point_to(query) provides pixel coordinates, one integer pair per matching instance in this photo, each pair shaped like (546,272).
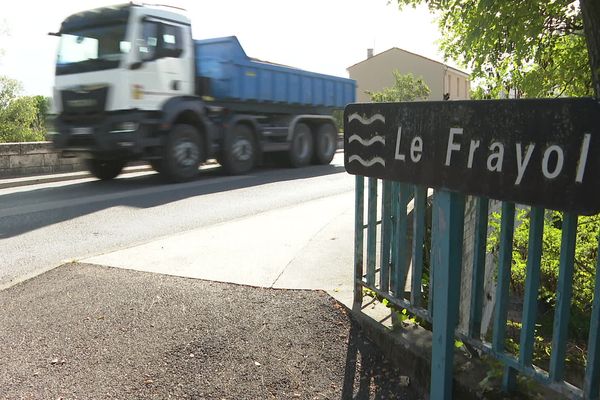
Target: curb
(50,178)
(409,347)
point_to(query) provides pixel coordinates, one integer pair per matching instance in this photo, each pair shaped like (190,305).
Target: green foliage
(531,48)
(9,90)
(406,87)
(22,119)
(338,116)
(586,252)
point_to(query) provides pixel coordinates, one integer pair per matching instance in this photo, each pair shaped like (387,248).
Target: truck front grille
(84,103)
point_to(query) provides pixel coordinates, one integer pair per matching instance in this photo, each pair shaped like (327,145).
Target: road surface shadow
(140,191)
(369,375)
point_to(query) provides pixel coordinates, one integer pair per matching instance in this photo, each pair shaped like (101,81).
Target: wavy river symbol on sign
(367,163)
(367,142)
(365,120)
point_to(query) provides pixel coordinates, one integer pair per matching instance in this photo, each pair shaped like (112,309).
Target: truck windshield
(91,49)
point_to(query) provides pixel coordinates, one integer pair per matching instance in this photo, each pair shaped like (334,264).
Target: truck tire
(239,151)
(325,144)
(182,154)
(104,169)
(301,150)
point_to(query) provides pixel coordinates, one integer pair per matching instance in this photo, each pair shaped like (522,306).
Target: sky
(325,36)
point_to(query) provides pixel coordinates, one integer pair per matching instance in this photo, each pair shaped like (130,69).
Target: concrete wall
(376,73)
(22,159)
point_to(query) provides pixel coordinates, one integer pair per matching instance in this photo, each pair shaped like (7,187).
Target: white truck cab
(128,57)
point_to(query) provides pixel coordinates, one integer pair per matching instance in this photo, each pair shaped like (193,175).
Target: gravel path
(89,332)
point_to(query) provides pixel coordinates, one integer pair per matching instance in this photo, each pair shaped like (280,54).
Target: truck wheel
(301,152)
(325,144)
(104,169)
(239,151)
(182,154)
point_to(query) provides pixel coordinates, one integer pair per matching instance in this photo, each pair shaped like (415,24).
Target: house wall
(376,73)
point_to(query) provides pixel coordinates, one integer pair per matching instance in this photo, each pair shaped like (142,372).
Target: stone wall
(22,159)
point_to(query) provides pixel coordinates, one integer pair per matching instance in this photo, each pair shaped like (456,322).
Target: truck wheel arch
(190,111)
(313,121)
(250,122)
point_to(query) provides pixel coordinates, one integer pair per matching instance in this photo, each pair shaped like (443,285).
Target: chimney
(369,53)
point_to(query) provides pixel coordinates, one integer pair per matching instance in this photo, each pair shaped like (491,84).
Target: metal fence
(392,231)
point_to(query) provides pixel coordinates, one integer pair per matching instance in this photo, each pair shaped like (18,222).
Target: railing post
(591,384)
(507,227)
(420,205)
(479,253)
(401,241)
(359,221)
(386,233)
(447,263)
(372,231)
(564,293)
(532,285)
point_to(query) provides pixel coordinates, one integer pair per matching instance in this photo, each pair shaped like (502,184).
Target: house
(376,73)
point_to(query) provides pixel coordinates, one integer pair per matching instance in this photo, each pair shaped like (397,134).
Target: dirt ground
(89,332)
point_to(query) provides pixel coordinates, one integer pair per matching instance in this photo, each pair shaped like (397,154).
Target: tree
(22,118)
(9,90)
(531,48)
(406,88)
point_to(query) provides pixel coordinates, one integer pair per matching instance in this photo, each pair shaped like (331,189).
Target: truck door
(165,69)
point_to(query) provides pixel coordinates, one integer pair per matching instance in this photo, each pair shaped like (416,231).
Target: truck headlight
(124,127)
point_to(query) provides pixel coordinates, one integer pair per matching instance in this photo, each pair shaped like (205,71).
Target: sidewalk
(90,332)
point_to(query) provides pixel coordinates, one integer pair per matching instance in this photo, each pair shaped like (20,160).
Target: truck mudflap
(120,135)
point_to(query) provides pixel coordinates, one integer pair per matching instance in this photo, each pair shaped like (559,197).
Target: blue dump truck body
(234,76)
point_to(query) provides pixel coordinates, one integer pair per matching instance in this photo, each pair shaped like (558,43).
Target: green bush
(22,119)
(586,252)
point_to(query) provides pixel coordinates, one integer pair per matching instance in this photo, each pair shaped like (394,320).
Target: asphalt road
(45,225)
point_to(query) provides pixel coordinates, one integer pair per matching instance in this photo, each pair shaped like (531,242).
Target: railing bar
(367,225)
(372,230)
(591,383)
(401,303)
(504,265)
(532,285)
(359,216)
(420,205)
(564,293)
(479,255)
(384,261)
(565,388)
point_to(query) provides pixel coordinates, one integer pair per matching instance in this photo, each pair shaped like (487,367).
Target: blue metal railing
(396,217)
